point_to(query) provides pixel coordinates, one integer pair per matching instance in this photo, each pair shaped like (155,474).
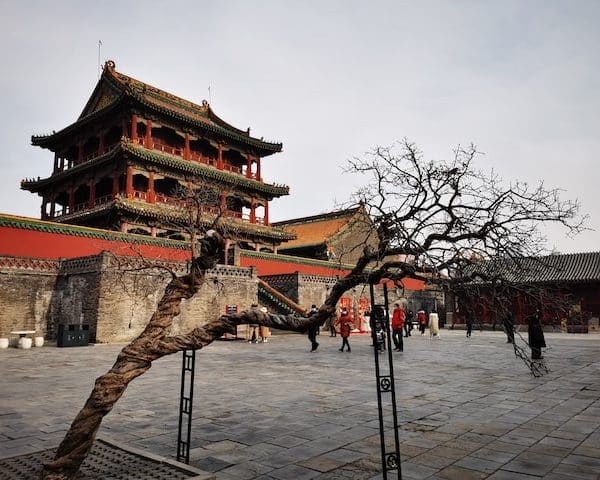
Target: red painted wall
(32,243)
(266,266)
(22,242)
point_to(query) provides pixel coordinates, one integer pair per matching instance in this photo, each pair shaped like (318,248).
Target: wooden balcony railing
(159,199)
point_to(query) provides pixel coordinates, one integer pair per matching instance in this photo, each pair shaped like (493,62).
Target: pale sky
(330,80)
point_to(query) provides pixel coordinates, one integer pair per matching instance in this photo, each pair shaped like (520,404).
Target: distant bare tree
(429,219)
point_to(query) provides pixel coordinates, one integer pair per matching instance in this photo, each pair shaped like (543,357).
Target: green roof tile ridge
(202,170)
(87,232)
(174,214)
(297,260)
(274,147)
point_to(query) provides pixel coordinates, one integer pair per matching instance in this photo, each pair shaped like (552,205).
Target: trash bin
(73,335)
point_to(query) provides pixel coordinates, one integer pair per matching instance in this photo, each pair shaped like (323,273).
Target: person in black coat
(469,322)
(536,336)
(408,323)
(509,327)
(314,330)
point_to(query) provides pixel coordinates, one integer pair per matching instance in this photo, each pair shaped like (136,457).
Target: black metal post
(385,382)
(186,401)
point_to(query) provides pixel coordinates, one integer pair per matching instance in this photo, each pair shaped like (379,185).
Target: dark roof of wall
(557,268)
(114,87)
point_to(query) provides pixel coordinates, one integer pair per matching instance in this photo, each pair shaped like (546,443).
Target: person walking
(422,320)
(536,336)
(379,337)
(332,330)
(509,327)
(253,328)
(264,331)
(314,330)
(469,322)
(366,322)
(434,324)
(408,323)
(398,319)
(345,322)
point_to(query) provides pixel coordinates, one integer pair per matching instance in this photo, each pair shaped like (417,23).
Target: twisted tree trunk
(153,343)
(135,359)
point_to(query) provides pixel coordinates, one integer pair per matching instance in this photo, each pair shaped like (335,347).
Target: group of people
(402,324)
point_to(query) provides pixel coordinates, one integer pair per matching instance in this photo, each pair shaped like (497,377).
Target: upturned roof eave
(213,122)
(162,159)
(151,211)
(265,148)
(145,209)
(214,174)
(48,141)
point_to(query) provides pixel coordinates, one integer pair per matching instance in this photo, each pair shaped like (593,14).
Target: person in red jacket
(422,319)
(345,323)
(398,319)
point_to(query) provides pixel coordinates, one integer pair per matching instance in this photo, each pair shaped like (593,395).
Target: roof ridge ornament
(109,65)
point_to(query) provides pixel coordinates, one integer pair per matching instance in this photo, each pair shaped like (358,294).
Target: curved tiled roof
(317,229)
(205,170)
(123,87)
(163,159)
(557,268)
(174,215)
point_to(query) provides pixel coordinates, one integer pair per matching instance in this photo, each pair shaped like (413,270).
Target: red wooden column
(55,169)
(220,157)
(134,122)
(253,212)
(151,198)
(92,198)
(266,215)
(248,166)
(80,152)
(129,183)
(258,175)
(186,148)
(44,215)
(52,208)
(148,142)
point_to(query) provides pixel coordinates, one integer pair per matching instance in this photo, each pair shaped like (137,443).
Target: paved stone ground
(468,409)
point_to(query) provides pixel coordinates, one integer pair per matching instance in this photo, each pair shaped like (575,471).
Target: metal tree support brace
(185,404)
(385,384)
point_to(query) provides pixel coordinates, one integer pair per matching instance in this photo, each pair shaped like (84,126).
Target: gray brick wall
(115,296)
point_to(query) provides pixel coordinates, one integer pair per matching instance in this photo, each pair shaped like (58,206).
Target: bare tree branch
(428,220)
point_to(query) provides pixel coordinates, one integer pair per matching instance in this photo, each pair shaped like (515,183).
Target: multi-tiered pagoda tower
(125,162)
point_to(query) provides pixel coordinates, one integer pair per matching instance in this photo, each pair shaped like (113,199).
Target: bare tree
(429,221)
